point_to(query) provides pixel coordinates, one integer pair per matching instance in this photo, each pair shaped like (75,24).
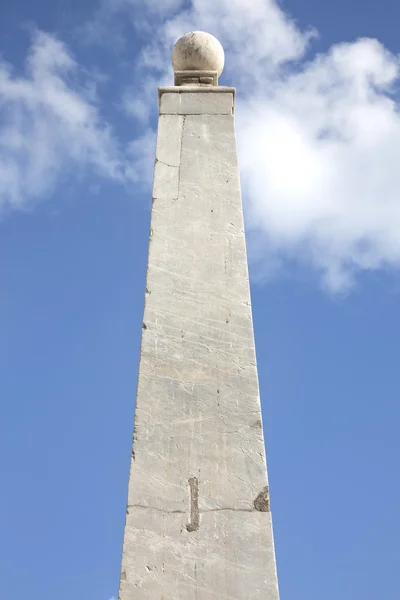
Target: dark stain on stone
(261,503)
(194,505)
(123,576)
(144,326)
(257,424)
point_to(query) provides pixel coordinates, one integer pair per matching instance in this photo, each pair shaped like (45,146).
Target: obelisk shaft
(198,523)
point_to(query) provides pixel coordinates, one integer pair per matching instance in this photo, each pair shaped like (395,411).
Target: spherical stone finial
(198,51)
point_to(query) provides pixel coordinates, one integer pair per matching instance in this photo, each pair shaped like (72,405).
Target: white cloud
(319,155)
(257,36)
(49,124)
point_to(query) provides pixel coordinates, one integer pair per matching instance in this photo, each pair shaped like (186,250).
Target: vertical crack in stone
(180,155)
(194,505)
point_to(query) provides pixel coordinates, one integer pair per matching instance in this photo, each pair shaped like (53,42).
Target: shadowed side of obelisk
(198,522)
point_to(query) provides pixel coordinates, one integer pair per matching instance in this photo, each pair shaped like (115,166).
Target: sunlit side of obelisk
(198,523)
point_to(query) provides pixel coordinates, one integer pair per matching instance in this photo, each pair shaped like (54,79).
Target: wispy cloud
(50,123)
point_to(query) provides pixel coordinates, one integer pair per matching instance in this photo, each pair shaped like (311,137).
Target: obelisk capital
(198,59)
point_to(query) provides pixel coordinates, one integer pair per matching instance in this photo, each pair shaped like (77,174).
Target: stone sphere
(198,51)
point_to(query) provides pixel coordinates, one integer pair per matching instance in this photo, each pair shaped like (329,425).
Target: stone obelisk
(198,523)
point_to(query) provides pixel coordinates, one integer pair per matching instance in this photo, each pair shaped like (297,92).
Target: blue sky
(319,139)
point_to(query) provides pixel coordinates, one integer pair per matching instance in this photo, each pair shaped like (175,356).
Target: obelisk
(198,522)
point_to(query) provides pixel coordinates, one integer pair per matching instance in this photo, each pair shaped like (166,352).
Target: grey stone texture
(200,51)
(198,523)
(196,104)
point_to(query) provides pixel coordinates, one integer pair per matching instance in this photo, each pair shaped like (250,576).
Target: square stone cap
(189,89)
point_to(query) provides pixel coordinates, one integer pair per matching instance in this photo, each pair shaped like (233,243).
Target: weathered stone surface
(169,140)
(198,522)
(166,180)
(200,51)
(196,104)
